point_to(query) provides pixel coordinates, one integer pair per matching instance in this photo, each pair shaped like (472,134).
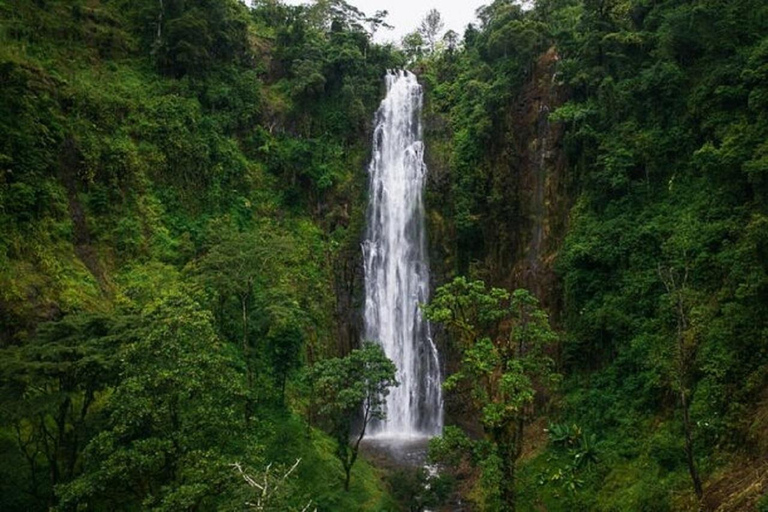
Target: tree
(248,266)
(50,388)
(376,22)
(175,418)
(680,358)
(430,28)
(193,36)
(284,344)
(683,360)
(451,40)
(502,339)
(413,46)
(350,387)
(270,488)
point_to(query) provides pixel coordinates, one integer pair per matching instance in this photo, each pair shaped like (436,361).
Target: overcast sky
(405,15)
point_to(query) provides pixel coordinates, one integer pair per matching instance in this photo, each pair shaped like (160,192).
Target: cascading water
(396,266)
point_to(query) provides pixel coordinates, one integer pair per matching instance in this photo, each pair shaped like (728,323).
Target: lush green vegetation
(340,386)
(502,339)
(181,201)
(180,181)
(665,340)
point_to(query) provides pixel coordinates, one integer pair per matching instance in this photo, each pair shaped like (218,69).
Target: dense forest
(182,202)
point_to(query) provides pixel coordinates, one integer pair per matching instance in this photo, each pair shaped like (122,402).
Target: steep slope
(181,186)
(609,156)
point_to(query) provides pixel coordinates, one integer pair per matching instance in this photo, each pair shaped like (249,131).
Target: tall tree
(49,391)
(679,360)
(451,40)
(502,338)
(413,46)
(376,22)
(348,389)
(175,418)
(430,28)
(248,266)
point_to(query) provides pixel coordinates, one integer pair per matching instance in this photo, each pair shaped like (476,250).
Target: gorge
(209,208)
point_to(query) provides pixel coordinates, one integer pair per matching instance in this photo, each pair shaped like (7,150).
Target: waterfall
(396,264)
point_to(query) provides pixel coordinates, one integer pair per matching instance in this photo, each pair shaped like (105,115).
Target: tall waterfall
(396,265)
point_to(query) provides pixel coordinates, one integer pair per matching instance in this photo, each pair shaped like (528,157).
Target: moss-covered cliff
(609,157)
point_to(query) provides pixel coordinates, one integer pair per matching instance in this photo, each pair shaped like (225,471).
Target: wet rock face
(539,165)
(525,225)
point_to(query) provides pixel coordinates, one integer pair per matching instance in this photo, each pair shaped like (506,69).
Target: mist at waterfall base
(397,269)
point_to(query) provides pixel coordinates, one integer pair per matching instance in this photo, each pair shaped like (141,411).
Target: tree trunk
(246,356)
(509,446)
(159,34)
(692,469)
(508,495)
(685,365)
(244,305)
(356,447)
(684,371)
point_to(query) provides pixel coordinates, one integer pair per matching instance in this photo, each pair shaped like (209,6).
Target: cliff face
(526,213)
(526,218)
(534,158)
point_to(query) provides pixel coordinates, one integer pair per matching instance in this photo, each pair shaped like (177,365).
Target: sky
(405,15)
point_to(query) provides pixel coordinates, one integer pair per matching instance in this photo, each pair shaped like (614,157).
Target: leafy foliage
(345,387)
(180,397)
(664,141)
(178,186)
(502,338)
(180,207)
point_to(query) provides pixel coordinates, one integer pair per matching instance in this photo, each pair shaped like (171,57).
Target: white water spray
(396,265)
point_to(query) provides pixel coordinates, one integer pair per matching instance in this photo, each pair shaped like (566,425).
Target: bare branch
(269,487)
